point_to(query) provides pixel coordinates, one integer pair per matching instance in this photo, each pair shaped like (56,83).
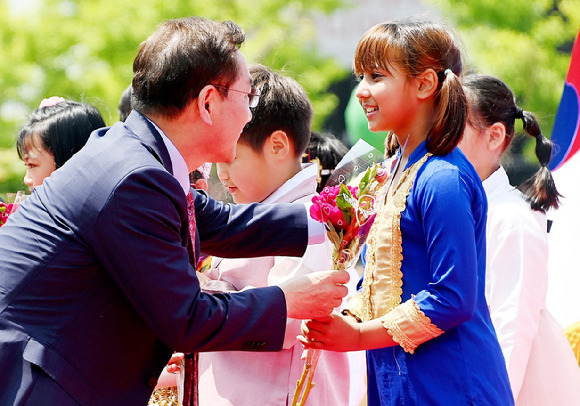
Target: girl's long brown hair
(415,46)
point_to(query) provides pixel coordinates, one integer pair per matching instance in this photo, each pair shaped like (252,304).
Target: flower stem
(312,356)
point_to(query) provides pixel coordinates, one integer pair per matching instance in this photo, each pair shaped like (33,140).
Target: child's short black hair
(327,151)
(195,176)
(64,128)
(125,103)
(283,106)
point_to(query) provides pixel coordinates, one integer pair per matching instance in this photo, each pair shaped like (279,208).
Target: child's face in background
(483,146)
(38,160)
(472,144)
(246,177)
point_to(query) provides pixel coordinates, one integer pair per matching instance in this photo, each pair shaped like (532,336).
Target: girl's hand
(168,377)
(173,364)
(334,333)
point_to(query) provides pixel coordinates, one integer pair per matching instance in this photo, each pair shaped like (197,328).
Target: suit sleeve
(253,230)
(140,238)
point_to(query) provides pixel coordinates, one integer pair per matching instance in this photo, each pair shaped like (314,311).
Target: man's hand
(314,295)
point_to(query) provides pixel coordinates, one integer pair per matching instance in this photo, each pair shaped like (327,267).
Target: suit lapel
(152,140)
(150,137)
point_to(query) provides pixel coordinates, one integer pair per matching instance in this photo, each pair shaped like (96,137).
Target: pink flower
(329,193)
(382,175)
(316,209)
(353,190)
(335,216)
(5,211)
(322,212)
(51,101)
(326,209)
(351,217)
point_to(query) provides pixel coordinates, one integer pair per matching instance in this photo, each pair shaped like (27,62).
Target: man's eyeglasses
(253,94)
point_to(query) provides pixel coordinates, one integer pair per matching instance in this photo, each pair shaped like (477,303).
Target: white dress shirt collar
(298,187)
(180,171)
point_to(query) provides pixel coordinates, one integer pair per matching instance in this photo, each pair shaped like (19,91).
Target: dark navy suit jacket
(96,286)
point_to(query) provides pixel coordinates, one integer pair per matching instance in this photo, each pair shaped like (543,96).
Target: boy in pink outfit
(268,169)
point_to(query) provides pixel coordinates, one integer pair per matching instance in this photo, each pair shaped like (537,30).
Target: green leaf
(364,182)
(342,199)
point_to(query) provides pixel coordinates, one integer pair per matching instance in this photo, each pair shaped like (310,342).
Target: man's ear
(278,144)
(496,136)
(427,83)
(206,103)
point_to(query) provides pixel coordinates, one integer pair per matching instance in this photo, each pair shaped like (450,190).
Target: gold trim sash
(383,280)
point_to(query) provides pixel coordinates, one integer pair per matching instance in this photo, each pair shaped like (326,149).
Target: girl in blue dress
(421,313)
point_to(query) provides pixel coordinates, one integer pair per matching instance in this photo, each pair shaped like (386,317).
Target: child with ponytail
(421,313)
(540,362)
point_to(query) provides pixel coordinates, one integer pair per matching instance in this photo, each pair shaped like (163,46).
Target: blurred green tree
(84,50)
(526,43)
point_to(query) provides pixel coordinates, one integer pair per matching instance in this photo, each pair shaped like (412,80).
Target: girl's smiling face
(387,99)
(38,160)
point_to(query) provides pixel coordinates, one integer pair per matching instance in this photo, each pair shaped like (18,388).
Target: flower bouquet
(347,212)
(6,209)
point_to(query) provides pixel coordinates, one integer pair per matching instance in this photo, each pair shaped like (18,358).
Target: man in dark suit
(96,286)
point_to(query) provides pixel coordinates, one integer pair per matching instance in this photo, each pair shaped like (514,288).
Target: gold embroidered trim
(383,280)
(164,397)
(409,326)
(572,333)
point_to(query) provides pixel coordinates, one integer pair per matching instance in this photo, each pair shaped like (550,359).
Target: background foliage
(526,43)
(84,50)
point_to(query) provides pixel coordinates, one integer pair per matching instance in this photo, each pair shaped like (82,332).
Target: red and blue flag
(565,134)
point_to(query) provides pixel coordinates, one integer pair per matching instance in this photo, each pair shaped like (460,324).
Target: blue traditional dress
(425,280)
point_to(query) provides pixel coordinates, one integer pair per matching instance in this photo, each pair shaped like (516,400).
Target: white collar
(495,180)
(180,171)
(287,192)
